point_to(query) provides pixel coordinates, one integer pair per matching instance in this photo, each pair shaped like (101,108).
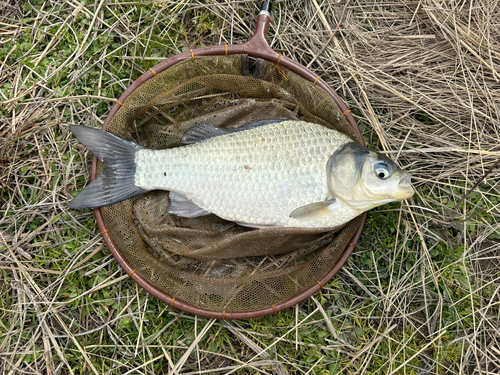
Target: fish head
(364,178)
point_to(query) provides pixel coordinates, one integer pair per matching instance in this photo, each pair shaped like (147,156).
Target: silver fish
(272,173)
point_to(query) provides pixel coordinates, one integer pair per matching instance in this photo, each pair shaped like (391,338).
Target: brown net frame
(206,265)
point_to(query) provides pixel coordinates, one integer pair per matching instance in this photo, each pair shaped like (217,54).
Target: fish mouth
(405,189)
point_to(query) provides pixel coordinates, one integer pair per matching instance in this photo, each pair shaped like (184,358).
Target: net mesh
(208,262)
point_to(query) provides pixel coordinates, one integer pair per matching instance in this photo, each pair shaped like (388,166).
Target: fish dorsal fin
(314,210)
(201,132)
(183,206)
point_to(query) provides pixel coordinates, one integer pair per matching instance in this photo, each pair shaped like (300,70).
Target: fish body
(275,173)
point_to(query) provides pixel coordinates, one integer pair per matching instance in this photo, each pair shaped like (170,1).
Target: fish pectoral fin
(181,205)
(313,211)
(201,132)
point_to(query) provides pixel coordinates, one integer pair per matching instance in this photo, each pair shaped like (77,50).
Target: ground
(419,295)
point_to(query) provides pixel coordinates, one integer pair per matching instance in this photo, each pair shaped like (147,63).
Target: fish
(270,173)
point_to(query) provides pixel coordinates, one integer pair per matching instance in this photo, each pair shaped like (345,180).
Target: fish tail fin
(116,182)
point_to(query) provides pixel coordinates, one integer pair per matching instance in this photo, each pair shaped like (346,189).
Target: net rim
(228,315)
(256,48)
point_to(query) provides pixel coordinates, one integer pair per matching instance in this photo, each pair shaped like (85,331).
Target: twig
(474,188)
(337,28)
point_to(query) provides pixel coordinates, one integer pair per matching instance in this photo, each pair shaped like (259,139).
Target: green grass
(418,295)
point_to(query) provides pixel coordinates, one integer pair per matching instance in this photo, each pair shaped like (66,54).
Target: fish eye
(382,170)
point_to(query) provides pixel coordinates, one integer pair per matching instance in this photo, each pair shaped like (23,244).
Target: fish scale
(254,176)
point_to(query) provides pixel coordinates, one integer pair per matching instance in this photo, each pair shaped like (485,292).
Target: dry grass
(420,294)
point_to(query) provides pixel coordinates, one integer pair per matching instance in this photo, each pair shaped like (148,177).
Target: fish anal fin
(314,210)
(180,205)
